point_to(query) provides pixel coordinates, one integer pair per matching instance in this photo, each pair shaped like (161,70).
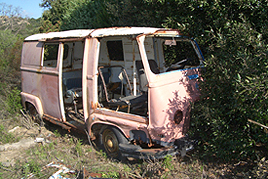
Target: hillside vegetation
(232,35)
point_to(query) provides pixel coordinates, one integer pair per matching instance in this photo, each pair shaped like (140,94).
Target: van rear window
(50,55)
(115,50)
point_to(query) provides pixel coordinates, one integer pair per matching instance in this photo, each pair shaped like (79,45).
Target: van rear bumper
(179,147)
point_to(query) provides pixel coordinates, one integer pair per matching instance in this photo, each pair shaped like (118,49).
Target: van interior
(122,84)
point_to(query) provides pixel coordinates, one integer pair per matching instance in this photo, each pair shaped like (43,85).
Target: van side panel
(40,81)
(30,67)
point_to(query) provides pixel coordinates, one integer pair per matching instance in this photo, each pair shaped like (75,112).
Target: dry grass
(74,151)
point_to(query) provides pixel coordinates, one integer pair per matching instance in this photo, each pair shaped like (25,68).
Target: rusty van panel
(29,56)
(42,82)
(169,96)
(90,76)
(175,90)
(125,122)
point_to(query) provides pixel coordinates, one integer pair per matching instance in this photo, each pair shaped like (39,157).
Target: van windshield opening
(177,54)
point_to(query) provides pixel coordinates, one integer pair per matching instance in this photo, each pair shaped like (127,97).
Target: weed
(89,150)
(113,174)
(1,172)
(51,146)
(31,167)
(167,163)
(102,154)
(126,168)
(6,137)
(71,141)
(151,167)
(78,147)
(201,168)
(56,133)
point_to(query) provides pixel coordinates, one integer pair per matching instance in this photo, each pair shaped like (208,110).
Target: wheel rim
(110,143)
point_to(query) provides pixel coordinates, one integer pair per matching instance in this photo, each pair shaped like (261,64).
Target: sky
(29,8)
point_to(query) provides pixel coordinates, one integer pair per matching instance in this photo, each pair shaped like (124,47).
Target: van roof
(102,32)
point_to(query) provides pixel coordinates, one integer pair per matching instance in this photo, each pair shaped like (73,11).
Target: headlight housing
(178,116)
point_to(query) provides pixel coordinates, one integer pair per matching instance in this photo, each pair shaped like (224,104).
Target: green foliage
(167,162)
(52,17)
(47,26)
(56,133)
(7,40)
(31,167)
(13,29)
(113,174)
(80,14)
(78,147)
(135,13)
(15,55)
(234,91)
(234,40)
(14,101)
(86,14)
(102,154)
(6,137)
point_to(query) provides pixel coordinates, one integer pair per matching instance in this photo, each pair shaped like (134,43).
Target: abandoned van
(129,88)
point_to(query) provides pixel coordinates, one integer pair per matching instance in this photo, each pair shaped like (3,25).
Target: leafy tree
(79,14)
(233,37)
(7,39)
(135,13)
(86,14)
(234,89)
(13,29)
(52,17)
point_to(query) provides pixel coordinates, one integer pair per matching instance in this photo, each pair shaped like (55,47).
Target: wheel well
(98,128)
(29,106)
(33,113)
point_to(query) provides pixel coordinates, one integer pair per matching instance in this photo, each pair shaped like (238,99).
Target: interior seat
(125,100)
(133,102)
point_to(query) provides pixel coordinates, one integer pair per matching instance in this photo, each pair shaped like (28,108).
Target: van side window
(115,50)
(50,55)
(179,51)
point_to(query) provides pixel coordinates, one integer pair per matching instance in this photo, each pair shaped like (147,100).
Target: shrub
(234,90)
(14,101)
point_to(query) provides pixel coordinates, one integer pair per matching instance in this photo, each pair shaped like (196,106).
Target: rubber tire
(35,116)
(111,138)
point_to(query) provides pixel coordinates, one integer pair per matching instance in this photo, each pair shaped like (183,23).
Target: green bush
(234,90)
(14,101)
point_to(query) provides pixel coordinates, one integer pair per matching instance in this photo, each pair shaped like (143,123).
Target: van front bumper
(179,147)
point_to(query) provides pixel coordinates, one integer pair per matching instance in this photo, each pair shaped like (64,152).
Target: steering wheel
(178,65)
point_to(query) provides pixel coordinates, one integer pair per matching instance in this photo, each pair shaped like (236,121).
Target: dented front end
(170,90)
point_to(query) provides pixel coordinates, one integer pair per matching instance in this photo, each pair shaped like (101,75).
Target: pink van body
(90,80)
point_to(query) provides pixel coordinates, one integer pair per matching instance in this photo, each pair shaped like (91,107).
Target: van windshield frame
(174,52)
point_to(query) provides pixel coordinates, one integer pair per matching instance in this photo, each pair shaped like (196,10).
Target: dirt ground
(40,152)
(12,152)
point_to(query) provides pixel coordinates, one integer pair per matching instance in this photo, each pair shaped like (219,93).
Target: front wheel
(111,138)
